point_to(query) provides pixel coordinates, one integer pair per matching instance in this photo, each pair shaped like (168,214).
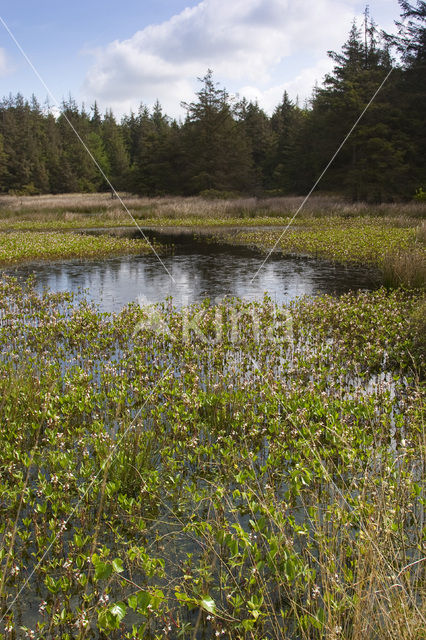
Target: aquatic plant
(365,243)
(19,246)
(177,484)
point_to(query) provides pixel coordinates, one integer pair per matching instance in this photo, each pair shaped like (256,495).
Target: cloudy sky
(133,51)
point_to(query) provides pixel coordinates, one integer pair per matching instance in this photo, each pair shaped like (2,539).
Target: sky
(122,54)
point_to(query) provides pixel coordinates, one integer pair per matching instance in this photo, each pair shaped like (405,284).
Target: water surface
(199,270)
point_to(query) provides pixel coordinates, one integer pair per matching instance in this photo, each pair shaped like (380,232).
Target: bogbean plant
(196,482)
(369,241)
(260,217)
(124,220)
(21,246)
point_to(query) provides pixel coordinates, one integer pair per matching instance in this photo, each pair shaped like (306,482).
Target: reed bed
(405,268)
(175,208)
(240,471)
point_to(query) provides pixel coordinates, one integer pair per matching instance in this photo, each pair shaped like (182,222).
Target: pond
(235,462)
(199,269)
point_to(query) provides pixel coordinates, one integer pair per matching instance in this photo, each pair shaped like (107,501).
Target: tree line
(227,145)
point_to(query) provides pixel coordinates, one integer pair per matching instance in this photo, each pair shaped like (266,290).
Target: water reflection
(198,273)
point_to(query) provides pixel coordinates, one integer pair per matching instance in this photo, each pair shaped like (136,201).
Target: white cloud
(299,87)
(245,42)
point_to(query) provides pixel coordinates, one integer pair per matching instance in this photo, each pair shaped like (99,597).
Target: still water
(199,270)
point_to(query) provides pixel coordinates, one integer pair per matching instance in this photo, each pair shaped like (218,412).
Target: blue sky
(125,53)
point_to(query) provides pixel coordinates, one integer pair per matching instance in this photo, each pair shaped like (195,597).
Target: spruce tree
(216,147)
(260,135)
(410,94)
(372,164)
(286,122)
(117,156)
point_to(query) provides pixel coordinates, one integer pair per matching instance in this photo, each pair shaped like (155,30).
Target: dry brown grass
(197,207)
(421,233)
(405,268)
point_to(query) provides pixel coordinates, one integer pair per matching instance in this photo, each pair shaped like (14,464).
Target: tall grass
(405,268)
(198,207)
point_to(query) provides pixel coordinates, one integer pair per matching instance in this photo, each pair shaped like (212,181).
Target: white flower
(42,606)
(315,591)
(82,620)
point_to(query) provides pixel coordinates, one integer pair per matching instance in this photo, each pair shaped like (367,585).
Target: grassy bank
(75,210)
(264,484)
(19,246)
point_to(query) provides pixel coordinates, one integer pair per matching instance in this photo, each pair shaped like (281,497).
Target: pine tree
(80,172)
(37,148)
(21,126)
(411,38)
(286,122)
(58,180)
(96,119)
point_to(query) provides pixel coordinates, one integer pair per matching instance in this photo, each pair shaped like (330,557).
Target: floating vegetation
(68,221)
(367,242)
(94,222)
(241,470)
(16,247)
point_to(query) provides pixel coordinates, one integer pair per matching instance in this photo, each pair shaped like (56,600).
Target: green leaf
(103,571)
(118,610)
(117,565)
(106,621)
(144,599)
(248,624)
(208,604)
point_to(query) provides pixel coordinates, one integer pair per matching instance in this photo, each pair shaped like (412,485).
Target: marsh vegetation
(389,236)
(239,469)
(170,484)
